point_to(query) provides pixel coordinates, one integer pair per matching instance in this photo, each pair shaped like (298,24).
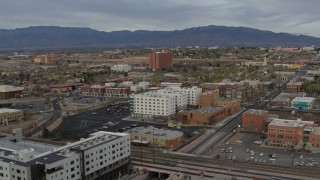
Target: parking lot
(246,147)
(108,118)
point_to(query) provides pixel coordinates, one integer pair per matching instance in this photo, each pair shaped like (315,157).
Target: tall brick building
(255,120)
(160,60)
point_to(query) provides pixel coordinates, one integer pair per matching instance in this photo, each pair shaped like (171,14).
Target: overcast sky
(293,16)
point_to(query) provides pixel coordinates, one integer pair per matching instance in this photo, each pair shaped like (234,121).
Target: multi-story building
(294,87)
(303,102)
(231,105)
(207,99)
(151,104)
(288,133)
(9,91)
(160,60)
(9,116)
(242,93)
(193,94)
(181,99)
(103,155)
(255,120)
(141,86)
(121,68)
(97,90)
(160,138)
(203,116)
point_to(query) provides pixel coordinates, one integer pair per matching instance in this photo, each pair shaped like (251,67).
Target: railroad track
(216,166)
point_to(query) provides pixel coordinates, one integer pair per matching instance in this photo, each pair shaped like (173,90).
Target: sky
(292,16)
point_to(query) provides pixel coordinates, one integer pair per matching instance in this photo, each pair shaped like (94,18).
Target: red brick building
(106,92)
(9,91)
(68,87)
(255,120)
(160,60)
(294,87)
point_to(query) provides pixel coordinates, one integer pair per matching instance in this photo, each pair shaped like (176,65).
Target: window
(18,171)
(72,162)
(72,169)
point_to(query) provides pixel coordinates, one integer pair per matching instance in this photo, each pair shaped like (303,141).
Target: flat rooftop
(156,132)
(290,123)
(7,110)
(255,111)
(208,109)
(303,99)
(9,88)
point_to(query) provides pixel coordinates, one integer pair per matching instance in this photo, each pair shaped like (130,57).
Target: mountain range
(55,37)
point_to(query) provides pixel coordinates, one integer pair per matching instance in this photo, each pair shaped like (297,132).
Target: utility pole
(153,144)
(141,149)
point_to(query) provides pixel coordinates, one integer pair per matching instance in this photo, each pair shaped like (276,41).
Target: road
(228,127)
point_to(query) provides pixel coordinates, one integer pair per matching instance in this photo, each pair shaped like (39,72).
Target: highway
(194,164)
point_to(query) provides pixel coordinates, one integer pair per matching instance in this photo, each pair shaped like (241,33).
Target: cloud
(293,16)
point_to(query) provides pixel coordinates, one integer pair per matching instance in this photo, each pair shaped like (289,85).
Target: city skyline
(294,17)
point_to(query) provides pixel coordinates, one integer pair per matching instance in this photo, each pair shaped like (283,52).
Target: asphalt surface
(108,118)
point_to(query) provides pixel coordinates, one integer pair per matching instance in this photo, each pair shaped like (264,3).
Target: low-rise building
(42,59)
(255,120)
(10,116)
(303,102)
(9,91)
(141,86)
(67,87)
(102,91)
(102,155)
(121,68)
(160,138)
(294,87)
(202,116)
(284,99)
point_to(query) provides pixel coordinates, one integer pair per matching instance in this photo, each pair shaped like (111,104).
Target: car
(222,150)
(309,165)
(234,157)
(230,151)
(301,156)
(261,154)
(247,150)
(310,159)
(256,160)
(252,153)
(274,156)
(302,163)
(260,161)
(295,163)
(247,159)
(229,157)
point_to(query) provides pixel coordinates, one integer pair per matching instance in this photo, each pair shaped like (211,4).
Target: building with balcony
(102,155)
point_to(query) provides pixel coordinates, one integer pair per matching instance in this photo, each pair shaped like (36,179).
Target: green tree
(45,133)
(125,74)
(155,79)
(60,135)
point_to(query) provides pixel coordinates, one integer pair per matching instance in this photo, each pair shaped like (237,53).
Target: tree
(45,133)
(155,79)
(309,147)
(125,74)
(60,135)
(299,146)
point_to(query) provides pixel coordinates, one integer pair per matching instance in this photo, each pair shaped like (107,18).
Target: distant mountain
(53,37)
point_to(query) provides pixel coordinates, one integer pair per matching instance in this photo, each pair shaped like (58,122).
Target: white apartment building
(103,155)
(193,94)
(181,98)
(140,86)
(121,68)
(151,104)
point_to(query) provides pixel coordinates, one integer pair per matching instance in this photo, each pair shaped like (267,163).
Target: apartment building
(97,90)
(288,133)
(255,120)
(208,98)
(103,155)
(10,116)
(160,138)
(151,104)
(193,94)
(160,60)
(181,99)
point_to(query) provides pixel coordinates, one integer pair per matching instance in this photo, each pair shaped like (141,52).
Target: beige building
(161,138)
(208,98)
(10,116)
(231,105)
(42,59)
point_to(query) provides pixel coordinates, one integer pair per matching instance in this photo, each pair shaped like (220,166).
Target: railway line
(232,168)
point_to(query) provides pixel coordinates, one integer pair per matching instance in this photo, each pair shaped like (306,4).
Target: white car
(252,153)
(261,154)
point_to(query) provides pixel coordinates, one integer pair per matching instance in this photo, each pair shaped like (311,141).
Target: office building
(303,102)
(160,60)
(10,116)
(104,155)
(288,133)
